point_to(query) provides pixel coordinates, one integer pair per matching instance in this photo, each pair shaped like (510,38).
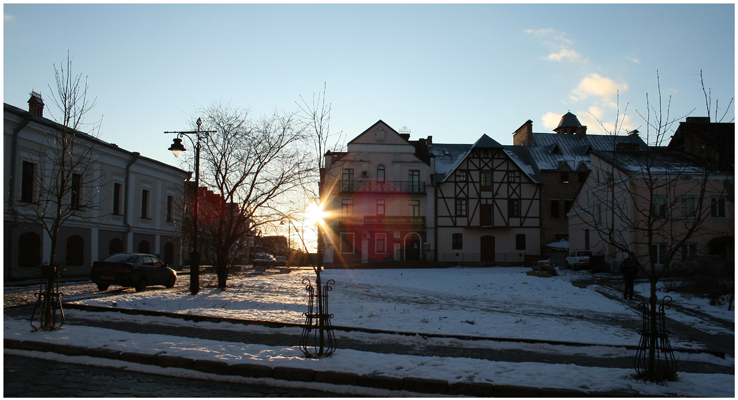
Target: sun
(314,214)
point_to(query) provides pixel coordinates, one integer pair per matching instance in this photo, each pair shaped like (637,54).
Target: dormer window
(381,134)
(555,149)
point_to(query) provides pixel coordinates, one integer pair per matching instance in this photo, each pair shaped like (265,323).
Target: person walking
(629,269)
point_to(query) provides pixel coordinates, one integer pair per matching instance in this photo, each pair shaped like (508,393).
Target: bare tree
(649,203)
(65,177)
(317,119)
(249,165)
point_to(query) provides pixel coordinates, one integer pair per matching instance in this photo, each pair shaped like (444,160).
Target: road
(32,377)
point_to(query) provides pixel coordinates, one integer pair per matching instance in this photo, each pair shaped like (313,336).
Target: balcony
(374,186)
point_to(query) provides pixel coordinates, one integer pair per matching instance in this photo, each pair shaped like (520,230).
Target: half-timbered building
(488,202)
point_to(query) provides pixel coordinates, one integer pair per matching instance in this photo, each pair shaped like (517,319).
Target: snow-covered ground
(486,302)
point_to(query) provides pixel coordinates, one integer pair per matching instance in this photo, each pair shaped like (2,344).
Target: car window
(122,258)
(157,262)
(147,260)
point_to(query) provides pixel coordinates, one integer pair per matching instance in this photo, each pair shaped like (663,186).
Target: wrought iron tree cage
(656,343)
(49,303)
(318,339)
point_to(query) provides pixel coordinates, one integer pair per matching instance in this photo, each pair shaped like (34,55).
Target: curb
(410,384)
(274,324)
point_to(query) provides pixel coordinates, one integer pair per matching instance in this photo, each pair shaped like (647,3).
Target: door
(412,249)
(487,246)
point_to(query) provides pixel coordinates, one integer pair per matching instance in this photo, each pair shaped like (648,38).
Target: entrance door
(487,246)
(412,249)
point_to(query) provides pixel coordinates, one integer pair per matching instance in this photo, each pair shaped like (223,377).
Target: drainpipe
(13,180)
(126,190)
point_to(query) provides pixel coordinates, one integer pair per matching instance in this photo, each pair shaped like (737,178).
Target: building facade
(136,201)
(488,203)
(378,200)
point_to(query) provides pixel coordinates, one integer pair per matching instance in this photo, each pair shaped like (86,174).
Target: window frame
(347,206)
(513,208)
(380,238)
(344,240)
(485,181)
(145,200)
(413,208)
(381,171)
(718,206)
(28,182)
(75,193)
(457,241)
(461,207)
(381,207)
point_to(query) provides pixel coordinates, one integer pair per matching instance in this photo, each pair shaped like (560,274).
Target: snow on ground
(487,302)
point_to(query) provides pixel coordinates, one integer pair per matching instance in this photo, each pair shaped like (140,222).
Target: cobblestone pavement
(32,377)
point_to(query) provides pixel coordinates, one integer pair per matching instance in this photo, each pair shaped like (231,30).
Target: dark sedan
(132,270)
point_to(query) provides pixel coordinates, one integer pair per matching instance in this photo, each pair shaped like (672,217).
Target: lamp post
(177,148)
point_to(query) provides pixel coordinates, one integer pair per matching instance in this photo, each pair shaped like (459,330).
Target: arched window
(75,251)
(169,253)
(144,247)
(115,247)
(380,173)
(29,250)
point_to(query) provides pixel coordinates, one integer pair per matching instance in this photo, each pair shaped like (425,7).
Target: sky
(453,72)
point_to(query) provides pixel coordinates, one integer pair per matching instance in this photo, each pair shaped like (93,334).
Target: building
(378,197)
(563,161)
(647,201)
(134,199)
(488,203)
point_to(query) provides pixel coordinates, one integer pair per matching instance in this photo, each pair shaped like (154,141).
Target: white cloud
(8,17)
(594,85)
(560,44)
(633,59)
(551,120)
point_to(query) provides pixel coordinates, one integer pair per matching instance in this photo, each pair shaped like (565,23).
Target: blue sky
(451,71)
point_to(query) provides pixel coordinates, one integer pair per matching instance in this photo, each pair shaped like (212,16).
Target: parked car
(264,260)
(281,261)
(132,270)
(578,259)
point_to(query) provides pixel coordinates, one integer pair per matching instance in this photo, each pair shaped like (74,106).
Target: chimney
(429,140)
(582,131)
(405,136)
(524,135)
(36,104)
(634,132)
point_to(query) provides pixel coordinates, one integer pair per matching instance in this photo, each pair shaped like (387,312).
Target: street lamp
(177,148)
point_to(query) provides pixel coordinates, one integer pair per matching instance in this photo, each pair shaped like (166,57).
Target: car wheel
(102,288)
(170,283)
(141,285)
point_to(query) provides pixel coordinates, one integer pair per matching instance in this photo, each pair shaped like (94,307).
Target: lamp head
(177,148)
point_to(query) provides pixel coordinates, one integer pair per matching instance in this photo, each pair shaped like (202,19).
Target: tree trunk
(653,339)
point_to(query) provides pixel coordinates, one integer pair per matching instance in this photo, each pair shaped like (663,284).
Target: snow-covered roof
(553,151)
(655,161)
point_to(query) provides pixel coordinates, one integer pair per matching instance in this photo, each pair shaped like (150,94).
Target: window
(486,181)
(75,251)
(414,208)
(513,176)
(380,243)
(457,241)
(460,176)
(717,207)
(485,215)
(145,204)
(461,207)
(117,193)
(347,243)
(115,247)
(347,206)
(29,250)
(380,207)
(689,207)
(144,247)
(658,253)
(554,209)
(170,208)
(380,173)
(414,177)
(564,177)
(27,181)
(76,191)
(586,239)
(347,180)
(659,209)
(689,252)
(520,241)
(599,213)
(513,208)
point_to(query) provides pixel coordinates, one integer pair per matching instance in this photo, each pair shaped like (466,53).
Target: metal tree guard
(665,363)
(318,339)
(49,299)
